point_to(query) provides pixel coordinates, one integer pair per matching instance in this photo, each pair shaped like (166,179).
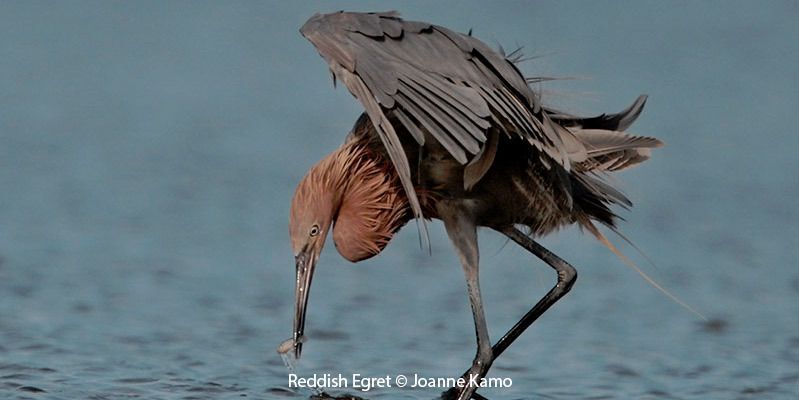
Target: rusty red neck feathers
(358,193)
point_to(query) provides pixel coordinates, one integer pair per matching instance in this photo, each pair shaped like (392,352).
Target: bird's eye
(314,230)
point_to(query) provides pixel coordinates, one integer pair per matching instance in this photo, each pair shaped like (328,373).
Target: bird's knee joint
(567,276)
(483,356)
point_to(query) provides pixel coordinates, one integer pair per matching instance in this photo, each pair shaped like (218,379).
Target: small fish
(285,346)
(289,358)
(289,344)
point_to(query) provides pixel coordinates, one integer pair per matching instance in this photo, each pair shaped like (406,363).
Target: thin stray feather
(640,272)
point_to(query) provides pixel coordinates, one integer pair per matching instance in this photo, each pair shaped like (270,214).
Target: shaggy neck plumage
(367,202)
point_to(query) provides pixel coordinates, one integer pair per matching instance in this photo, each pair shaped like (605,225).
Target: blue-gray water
(149,150)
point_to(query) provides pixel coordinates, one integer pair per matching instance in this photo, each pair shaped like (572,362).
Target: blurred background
(149,151)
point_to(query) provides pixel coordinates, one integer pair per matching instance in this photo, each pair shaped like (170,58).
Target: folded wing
(434,80)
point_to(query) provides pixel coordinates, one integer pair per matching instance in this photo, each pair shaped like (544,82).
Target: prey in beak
(355,196)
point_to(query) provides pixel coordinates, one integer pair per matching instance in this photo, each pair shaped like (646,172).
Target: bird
(452,130)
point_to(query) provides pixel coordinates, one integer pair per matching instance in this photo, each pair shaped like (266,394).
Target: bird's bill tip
(297,349)
(305,267)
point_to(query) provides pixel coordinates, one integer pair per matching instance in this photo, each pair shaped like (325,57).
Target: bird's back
(457,120)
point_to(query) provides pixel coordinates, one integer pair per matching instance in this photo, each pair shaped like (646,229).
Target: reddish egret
(453,131)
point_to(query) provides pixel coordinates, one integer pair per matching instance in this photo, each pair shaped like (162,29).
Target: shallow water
(148,153)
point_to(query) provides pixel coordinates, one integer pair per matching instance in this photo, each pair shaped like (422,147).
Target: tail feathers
(601,190)
(588,225)
(633,245)
(614,150)
(593,198)
(608,147)
(600,142)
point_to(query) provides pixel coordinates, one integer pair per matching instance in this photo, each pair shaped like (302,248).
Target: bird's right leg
(463,233)
(567,275)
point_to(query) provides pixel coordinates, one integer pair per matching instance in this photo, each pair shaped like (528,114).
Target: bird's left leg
(463,233)
(567,275)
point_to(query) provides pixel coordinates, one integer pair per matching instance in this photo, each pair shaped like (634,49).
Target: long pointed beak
(306,262)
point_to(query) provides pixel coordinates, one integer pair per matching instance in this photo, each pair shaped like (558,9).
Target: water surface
(149,150)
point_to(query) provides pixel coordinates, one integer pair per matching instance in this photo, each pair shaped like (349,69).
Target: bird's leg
(566,278)
(567,275)
(463,233)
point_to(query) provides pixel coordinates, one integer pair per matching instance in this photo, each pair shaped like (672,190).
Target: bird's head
(359,198)
(312,210)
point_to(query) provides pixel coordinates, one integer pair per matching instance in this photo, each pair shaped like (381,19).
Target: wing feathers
(387,135)
(452,108)
(439,114)
(464,98)
(459,76)
(413,129)
(457,89)
(433,128)
(391,27)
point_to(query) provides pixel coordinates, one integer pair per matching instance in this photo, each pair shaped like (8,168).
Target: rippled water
(148,152)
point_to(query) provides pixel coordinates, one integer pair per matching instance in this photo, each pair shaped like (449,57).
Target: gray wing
(432,79)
